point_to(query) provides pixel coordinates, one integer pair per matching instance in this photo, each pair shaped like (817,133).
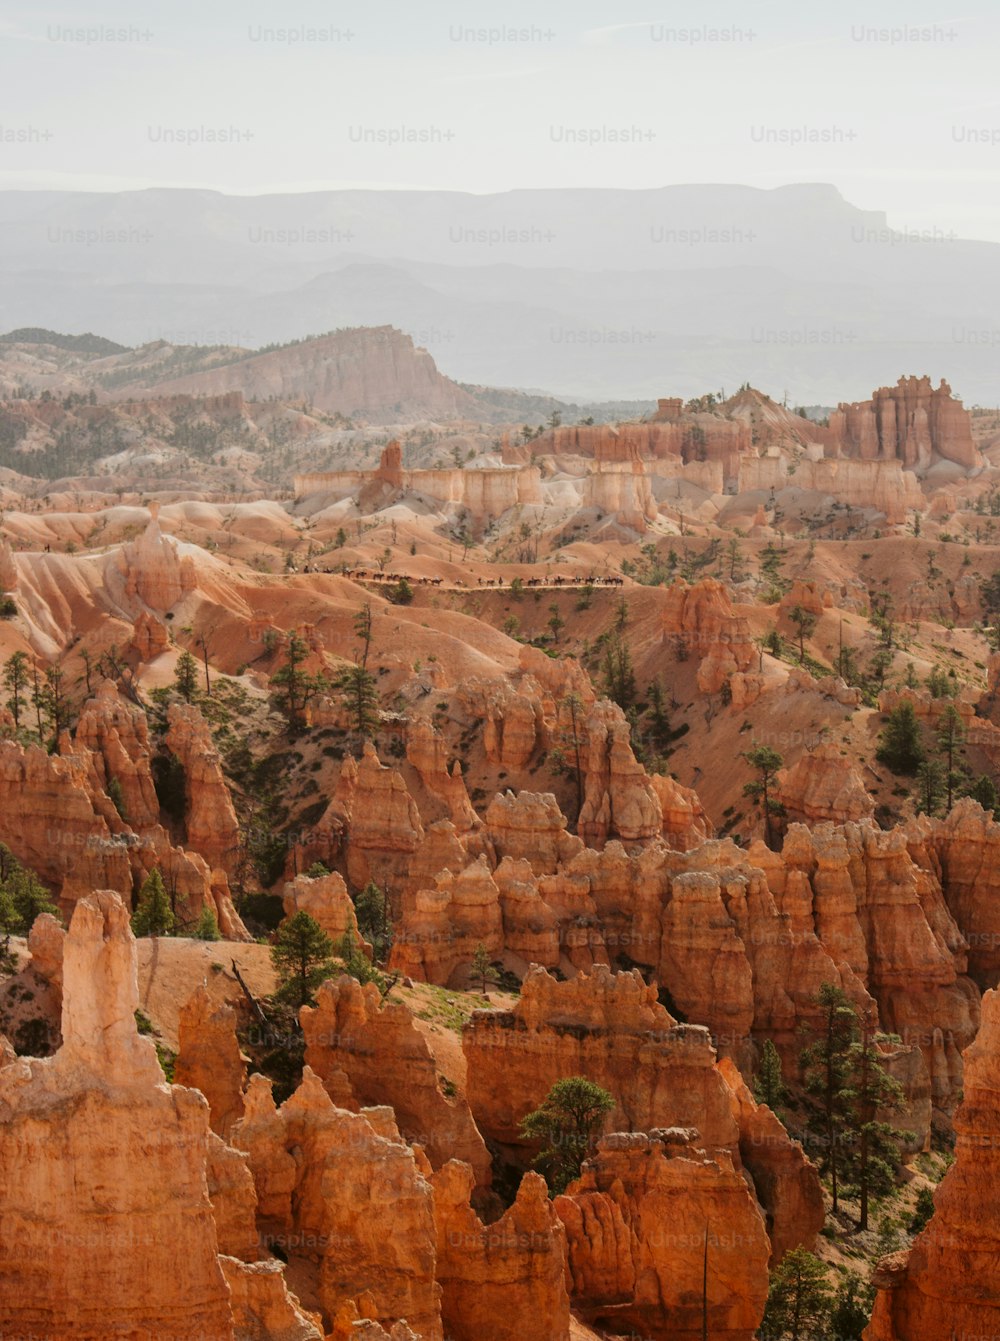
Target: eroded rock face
(530,827)
(209,1058)
(347,1200)
(428,753)
(380,816)
(785,1180)
(949,1282)
(324,898)
(442,926)
(388,1061)
(505,1280)
(636,1226)
(701,620)
(912,422)
(210,822)
(824,785)
(60,815)
(153,570)
(610,1028)
(103,1166)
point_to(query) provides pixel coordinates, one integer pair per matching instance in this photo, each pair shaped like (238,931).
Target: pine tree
(619,677)
(186,676)
(567,1123)
(375,920)
(482,971)
(302,955)
(357,686)
(984,791)
(900,747)
(153,915)
(805,622)
(799,1299)
(871,1093)
(767,762)
(931,784)
(293,687)
(15,680)
(769,1082)
(207,928)
(826,1066)
(355,962)
(950,739)
(28,896)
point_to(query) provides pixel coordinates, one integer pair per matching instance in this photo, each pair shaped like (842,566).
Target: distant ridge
(87,343)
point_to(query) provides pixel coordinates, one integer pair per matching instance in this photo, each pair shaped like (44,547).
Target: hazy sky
(897,104)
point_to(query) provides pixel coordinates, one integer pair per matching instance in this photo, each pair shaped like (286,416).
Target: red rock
(96,1150)
(209,1058)
(636,1225)
(210,824)
(949,1282)
(505,1280)
(608,1027)
(386,1060)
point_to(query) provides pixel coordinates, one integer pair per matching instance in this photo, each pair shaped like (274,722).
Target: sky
(896,104)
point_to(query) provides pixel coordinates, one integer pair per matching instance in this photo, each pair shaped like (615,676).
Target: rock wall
(911,422)
(885,486)
(387,1060)
(639,1223)
(106,1227)
(948,1283)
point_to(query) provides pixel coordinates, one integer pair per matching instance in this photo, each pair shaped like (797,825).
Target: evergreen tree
(482,971)
(15,680)
(294,687)
(567,1123)
(931,784)
(767,762)
(799,1298)
(984,791)
(805,622)
(153,915)
(186,676)
(354,960)
(25,897)
(619,677)
(900,746)
(872,1092)
(852,1308)
(950,739)
(357,686)
(207,928)
(826,1067)
(302,955)
(769,1082)
(375,920)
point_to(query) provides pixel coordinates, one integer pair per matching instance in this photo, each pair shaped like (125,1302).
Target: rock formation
(824,784)
(209,1058)
(387,1061)
(326,900)
(639,1222)
(948,1283)
(910,422)
(106,1227)
(786,1182)
(700,620)
(610,1028)
(372,803)
(347,1201)
(152,572)
(505,1280)
(210,824)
